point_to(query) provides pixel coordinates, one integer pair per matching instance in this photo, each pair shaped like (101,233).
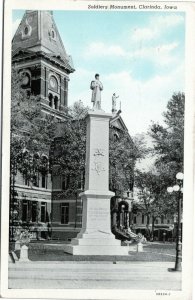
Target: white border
(189,8)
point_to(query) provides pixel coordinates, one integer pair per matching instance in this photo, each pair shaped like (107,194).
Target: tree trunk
(147,227)
(152,233)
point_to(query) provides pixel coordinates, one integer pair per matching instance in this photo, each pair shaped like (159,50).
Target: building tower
(38,52)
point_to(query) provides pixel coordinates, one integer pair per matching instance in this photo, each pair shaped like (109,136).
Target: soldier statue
(96,87)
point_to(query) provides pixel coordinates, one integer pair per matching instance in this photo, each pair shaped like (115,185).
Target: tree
(153,200)
(169,139)
(31,130)
(30,138)
(68,151)
(123,154)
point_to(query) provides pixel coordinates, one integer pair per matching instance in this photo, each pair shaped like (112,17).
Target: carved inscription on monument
(98,164)
(98,214)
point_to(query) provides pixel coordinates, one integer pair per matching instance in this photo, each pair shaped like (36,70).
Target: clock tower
(39,55)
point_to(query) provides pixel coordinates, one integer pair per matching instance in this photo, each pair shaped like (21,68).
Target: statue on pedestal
(96,87)
(114,97)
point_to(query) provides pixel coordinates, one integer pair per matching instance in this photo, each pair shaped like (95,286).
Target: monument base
(95,237)
(94,246)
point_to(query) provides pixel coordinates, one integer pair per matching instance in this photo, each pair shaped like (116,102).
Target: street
(89,275)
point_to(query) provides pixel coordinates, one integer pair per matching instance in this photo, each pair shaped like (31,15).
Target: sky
(139,56)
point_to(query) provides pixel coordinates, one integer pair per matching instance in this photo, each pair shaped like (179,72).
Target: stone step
(96,242)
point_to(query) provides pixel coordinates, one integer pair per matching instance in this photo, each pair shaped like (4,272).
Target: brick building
(39,55)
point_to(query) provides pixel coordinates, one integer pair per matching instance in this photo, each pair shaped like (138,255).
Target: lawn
(48,251)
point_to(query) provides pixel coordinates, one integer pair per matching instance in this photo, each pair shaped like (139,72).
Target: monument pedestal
(95,237)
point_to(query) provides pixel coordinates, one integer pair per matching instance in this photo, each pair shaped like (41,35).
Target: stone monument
(95,237)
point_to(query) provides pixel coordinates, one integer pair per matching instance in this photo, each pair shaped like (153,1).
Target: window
(34,211)
(162,219)
(142,218)
(56,102)
(36,180)
(44,181)
(65,182)
(168,221)
(26,180)
(43,212)
(64,213)
(116,136)
(156,221)
(53,34)
(26,30)
(134,220)
(50,100)
(24,211)
(36,162)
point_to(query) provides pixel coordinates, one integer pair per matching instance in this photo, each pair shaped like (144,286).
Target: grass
(44,251)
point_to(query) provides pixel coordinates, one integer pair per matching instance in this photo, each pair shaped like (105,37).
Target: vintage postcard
(97,149)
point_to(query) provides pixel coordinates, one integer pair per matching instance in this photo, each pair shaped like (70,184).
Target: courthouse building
(39,55)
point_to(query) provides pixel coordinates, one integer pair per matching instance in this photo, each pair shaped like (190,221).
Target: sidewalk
(93,274)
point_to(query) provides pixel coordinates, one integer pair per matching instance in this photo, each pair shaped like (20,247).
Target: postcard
(97,149)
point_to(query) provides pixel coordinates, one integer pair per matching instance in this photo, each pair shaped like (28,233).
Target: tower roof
(38,32)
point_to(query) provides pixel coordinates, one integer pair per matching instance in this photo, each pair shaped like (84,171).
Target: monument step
(92,249)
(96,241)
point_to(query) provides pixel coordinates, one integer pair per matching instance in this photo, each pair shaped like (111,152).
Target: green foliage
(78,111)
(67,155)
(31,131)
(151,192)
(123,153)
(168,149)
(169,139)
